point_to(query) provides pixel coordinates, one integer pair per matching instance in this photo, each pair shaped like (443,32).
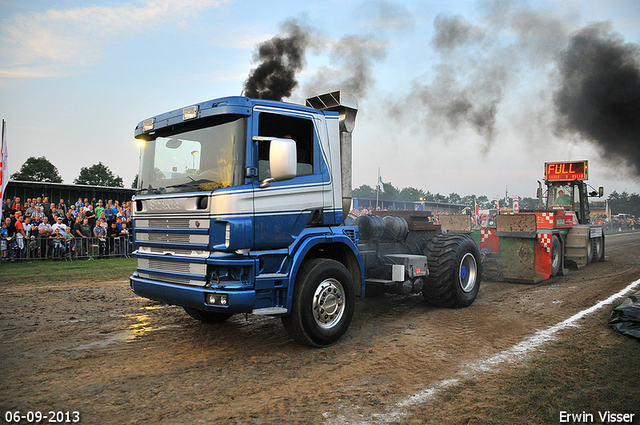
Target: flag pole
(4,170)
(377,188)
(506,196)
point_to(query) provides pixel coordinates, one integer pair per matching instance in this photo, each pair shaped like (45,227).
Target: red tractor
(534,245)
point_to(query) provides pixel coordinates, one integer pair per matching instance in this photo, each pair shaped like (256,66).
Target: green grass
(50,271)
(581,374)
(584,374)
(592,369)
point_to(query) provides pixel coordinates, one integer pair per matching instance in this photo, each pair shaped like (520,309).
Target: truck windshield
(206,158)
(560,196)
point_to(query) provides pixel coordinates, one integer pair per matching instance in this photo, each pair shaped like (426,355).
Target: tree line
(41,170)
(620,203)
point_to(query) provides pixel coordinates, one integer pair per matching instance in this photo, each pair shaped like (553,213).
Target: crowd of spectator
(619,222)
(43,229)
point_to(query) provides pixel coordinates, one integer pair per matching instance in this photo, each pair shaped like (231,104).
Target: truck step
(380,281)
(270,311)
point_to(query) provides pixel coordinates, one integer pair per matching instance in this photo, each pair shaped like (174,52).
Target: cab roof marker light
(147,125)
(190,113)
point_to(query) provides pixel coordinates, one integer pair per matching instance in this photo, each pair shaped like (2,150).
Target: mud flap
(577,246)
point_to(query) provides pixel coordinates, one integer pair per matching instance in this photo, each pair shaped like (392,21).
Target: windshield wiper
(203,184)
(152,190)
(192,183)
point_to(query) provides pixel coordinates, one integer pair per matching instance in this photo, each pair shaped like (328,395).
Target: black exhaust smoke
(280,59)
(467,84)
(599,93)
(594,84)
(352,57)
(352,60)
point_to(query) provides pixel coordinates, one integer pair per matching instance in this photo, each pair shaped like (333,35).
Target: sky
(467,97)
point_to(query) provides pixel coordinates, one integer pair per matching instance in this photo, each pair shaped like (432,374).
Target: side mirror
(282,161)
(599,193)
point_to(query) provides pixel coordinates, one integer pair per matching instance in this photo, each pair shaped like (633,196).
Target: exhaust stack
(347,108)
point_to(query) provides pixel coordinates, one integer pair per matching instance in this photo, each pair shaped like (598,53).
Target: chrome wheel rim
(468,272)
(328,303)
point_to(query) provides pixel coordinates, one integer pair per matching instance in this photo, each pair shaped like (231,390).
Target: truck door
(285,208)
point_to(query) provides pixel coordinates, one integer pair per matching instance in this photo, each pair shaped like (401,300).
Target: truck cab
(232,193)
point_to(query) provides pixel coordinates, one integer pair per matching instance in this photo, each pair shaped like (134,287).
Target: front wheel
(323,303)
(455,271)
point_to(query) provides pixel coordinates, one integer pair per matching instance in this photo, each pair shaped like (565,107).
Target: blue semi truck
(242,207)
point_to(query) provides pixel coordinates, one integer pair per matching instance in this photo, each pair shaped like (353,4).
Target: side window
(286,127)
(576,198)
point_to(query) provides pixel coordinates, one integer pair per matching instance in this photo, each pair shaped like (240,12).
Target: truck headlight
(148,125)
(217,299)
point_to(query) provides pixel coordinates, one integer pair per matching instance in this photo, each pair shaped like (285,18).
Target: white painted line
(518,351)
(515,354)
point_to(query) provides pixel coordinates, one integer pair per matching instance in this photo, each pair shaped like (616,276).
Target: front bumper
(192,296)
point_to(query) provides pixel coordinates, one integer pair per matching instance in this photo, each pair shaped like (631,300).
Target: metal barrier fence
(75,249)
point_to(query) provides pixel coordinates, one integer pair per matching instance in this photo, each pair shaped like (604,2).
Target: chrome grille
(154,250)
(169,223)
(169,237)
(169,266)
(178,280)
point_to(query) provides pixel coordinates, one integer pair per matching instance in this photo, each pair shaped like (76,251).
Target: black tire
(556,255)
(323,303)
(207,316)
(597,247)
(455,271)
(589,250)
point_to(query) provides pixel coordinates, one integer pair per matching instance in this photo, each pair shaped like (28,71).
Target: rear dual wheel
(455,271)
(589,250)
(597,249)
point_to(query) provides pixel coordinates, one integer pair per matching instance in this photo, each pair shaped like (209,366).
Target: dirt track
(98,349)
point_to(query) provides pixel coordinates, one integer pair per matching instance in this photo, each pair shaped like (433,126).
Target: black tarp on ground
(626,317)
